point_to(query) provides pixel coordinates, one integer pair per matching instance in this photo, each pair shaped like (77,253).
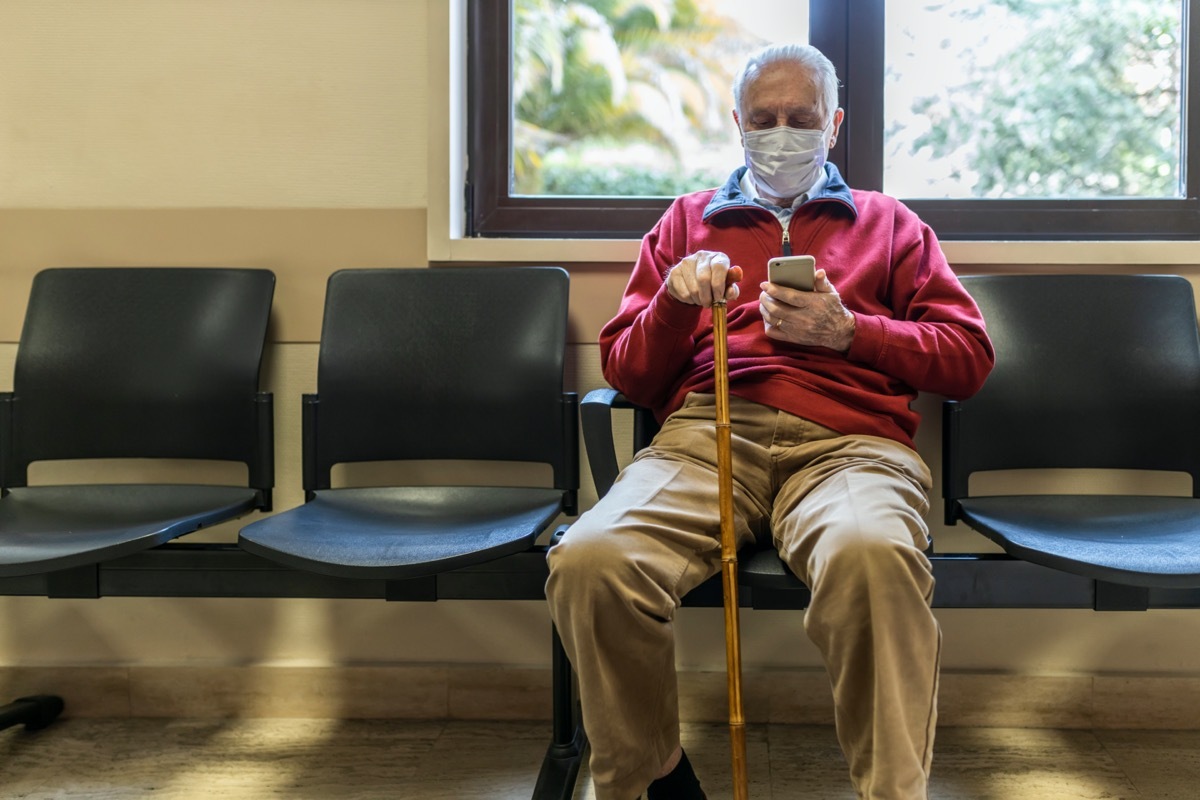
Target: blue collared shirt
(751,191)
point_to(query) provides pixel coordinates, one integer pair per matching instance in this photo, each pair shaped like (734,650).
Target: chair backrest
(141,363)
(1092,371)
(455,363)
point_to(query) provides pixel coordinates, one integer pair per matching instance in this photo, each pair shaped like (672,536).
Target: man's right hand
(703,276)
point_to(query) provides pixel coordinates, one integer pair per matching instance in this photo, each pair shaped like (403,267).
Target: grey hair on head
(803,55)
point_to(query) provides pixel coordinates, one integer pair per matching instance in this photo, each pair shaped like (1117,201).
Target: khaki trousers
(845,512)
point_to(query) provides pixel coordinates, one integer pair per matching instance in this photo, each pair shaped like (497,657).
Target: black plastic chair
(431,364)
(438,364)
(123,363)
(1092,371)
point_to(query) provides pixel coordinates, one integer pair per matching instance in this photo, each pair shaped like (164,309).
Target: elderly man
(821,384)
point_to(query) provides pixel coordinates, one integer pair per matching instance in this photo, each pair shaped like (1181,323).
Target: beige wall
(213,104)
(292,134)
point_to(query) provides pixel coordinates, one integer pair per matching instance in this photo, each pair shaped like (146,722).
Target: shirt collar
(751,191)
(730,195)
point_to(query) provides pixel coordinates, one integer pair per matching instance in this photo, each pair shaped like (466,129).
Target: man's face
(783,94)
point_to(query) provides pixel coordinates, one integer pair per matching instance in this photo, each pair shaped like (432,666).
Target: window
(993,119)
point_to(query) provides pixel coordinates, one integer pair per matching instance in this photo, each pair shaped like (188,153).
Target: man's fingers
(720,276)
(711,272)
(703,276)
(821,282)
(732,277)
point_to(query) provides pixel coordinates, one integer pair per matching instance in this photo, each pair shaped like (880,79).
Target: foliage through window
(992,118)
(982,99)
(630,98)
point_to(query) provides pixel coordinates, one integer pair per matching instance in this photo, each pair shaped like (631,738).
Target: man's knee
(583,553)
(611,572)
(870,585)
(585,562)
(867,561)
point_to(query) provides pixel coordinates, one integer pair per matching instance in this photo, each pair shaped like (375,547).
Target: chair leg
(560,768)
(34,712)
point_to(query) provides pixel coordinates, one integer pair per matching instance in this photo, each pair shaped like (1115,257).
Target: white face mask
(785,162)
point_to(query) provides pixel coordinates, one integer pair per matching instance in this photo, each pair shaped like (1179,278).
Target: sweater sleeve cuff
(674,313)
(870,339)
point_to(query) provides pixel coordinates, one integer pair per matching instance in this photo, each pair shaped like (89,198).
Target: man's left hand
(816,318)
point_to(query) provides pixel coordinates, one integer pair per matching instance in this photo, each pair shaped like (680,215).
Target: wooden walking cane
(729,564)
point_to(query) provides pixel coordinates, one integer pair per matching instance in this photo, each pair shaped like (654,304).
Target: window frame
(851,34)
(490,209)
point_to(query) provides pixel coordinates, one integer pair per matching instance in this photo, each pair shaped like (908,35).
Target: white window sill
(566,251)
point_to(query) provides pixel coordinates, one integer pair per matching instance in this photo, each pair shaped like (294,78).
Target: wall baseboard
(966,699)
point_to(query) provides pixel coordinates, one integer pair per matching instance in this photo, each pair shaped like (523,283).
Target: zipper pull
(787,242)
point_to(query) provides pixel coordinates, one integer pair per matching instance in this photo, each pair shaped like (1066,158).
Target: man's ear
(737,121)
(838,116)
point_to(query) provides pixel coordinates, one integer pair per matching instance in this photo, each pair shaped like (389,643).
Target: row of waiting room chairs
(468,364)
(463,364)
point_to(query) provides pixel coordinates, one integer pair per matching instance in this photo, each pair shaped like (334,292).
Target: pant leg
(616,579)
(851,524)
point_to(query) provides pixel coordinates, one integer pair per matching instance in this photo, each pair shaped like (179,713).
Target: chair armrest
(310,405)
(954,485)
(596,410)
(6,444)
(262,471)
(568,478)
(596,415)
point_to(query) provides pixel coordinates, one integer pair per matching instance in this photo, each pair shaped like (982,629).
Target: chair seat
(762,567)
(403,532)
(49,528)
(1143,541)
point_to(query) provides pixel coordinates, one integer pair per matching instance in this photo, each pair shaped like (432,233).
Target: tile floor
(307,759)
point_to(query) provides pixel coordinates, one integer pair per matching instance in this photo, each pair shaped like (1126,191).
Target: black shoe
(680,783)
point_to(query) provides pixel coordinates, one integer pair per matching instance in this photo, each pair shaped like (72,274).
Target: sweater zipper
(787,240)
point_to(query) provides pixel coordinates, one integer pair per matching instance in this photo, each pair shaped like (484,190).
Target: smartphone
(795,272)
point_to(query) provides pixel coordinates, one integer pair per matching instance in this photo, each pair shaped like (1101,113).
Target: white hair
(803,55)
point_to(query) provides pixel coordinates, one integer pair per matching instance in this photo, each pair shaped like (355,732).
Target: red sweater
(917,330)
